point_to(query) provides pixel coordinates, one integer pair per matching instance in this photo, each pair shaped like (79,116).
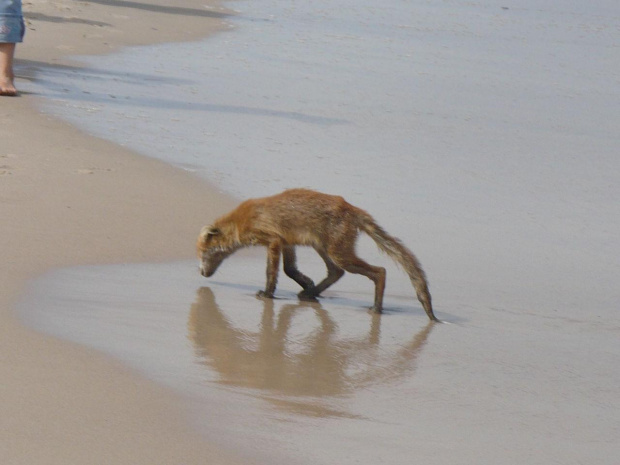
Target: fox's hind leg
(345,258)
(334,273)
(290,268)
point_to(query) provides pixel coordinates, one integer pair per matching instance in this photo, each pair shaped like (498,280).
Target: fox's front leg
(290,268)
(273,264)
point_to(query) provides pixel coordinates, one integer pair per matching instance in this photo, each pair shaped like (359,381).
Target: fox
(304,217)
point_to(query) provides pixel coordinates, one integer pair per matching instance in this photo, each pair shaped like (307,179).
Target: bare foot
(7,88)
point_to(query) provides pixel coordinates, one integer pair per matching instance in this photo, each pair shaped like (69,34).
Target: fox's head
(213,247)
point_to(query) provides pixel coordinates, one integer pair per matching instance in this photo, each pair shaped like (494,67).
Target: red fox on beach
(327,223)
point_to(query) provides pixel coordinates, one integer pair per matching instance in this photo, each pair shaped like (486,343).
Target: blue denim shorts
(12,27)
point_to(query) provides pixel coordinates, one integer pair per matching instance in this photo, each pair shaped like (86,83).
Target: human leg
(7,86)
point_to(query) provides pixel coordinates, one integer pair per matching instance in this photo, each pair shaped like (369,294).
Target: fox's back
(303,216)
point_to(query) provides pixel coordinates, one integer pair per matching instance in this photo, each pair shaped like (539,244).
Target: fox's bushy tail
(398,252)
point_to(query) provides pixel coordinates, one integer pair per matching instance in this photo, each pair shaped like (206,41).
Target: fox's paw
(308,295)
(265,294)
(375,309)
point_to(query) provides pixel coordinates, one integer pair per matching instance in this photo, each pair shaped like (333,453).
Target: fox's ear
(209,231)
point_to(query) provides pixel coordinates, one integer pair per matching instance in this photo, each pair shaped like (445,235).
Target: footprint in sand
(6,169)
(92,170)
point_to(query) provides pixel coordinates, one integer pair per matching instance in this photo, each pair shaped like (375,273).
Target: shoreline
(67,198)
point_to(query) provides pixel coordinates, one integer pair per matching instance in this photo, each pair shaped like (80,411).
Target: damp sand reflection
(302,370)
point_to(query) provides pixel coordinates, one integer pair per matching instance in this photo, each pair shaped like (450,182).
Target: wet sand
(329,382)
(66,199)
(281,376)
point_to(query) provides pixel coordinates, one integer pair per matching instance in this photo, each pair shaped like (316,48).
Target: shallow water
(483,134)
(284,381)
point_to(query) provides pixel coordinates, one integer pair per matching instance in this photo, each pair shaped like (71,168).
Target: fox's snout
(206,272)
(211,260)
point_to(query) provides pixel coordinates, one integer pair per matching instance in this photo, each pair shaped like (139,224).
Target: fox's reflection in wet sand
(295,372)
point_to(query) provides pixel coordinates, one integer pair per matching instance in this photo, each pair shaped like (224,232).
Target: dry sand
(67,198)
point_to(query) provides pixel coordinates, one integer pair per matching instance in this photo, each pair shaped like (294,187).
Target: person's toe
(7,88)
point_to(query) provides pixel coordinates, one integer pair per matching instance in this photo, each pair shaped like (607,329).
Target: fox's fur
(327,223)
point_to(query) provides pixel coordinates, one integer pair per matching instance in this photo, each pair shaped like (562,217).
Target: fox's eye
(213,232)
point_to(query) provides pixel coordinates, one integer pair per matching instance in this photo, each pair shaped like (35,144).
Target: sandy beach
(65,199)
